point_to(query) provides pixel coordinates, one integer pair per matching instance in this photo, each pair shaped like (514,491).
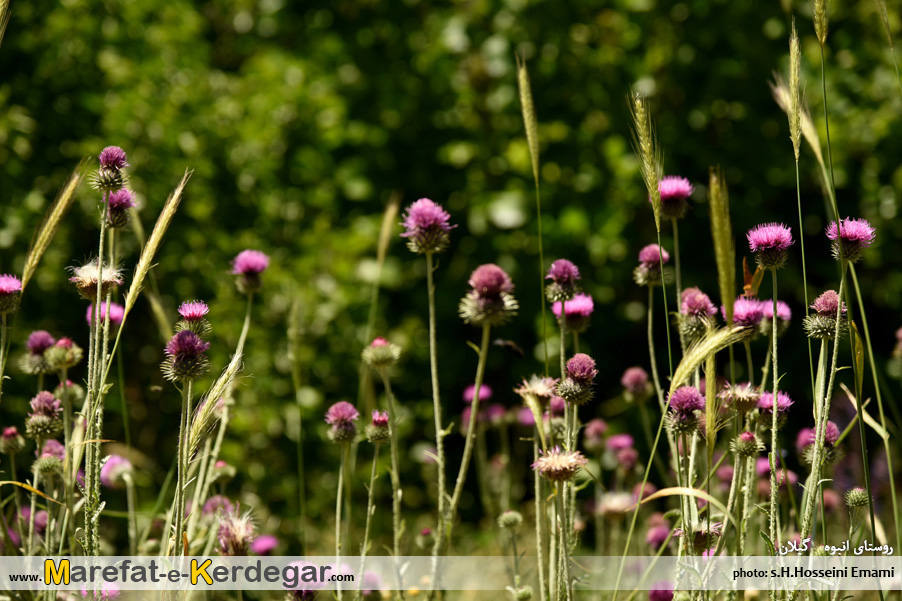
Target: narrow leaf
(687,492)
(30,489)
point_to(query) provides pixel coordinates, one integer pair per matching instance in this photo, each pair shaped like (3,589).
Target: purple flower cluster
(490,300)
(426,227)
(185,359)
(342,417)
(648,272)
(247,266)
(564,276)
(850,237)
(769,242)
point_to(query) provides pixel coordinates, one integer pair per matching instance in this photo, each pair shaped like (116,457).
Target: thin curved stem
(395,476)
(774,449)
(436,399)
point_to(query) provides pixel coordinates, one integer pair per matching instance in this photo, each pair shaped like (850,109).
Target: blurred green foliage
(301,119)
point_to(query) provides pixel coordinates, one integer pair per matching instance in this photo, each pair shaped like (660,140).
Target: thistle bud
(63,355)
(381,354)
(378,430)
(11,442)
(857,497)
(510,520)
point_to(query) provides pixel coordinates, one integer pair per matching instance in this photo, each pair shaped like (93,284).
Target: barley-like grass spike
(530,122)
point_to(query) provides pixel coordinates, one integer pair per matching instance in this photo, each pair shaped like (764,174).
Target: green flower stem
(565,543)
(132,515)
(540,520)
(436,402)
(445,533)
(774,449)
(68,482)
(338,505)
(36,481)
(181,479)
(397,494)
(370,509)
(3,350)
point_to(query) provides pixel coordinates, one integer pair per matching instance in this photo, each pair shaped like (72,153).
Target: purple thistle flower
(656,536)
(827,304)
(831,433)
(304,570)
(39,341)
(114,470)
(593,435)
(113,157)
(45,404)
(490,281)
(10,293)
(44,420)
(106,592)
(490,300)
(627,458)
(696,303)
(634,381)
(805,438)
(193,310)
(525,417)
(563,273)
(661,591)
(117,313)
(485,393)
(686,400)
(53,448)
(747,312)
(784,313)
(217,503)
(653,255)
(120,200)
(495,413)
(426,226)
(250,262)
(264,544)
(342,417)
(618,442)
(850,238)
(770,241)
(380,419)
(675,192)
(185,356)
(557,406)
(581,368)
(766,403)
(186,344)
(578,311)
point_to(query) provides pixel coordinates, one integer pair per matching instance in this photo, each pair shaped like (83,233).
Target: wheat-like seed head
(647,151)
(795,91)
(206,418)
(884,18)
(530,122)
(389,218)
(722,233)
(781,95)
(52,220)
(145,263)
(819,8)
(4,17)
(713,342)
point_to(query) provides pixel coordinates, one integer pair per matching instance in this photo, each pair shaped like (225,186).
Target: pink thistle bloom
(784,313)
(653,255)
(45,404)
(186,344)
(696,303)
(851,237)
(117,313)
(53,448)
(380,419)
(661,591)
(769,236)
(627,458)
(747,312)
(9,284)
(525,417)
(596,428)
(264,544)
(489,281)
(341,413)
(581,368)
(747,436)
(831,433)
(643,492)
(563,272)
(250,262)
(618,442)
(485,393)
(121,199)
(193,310)
(580,305)
(495,413)
(766,403)
(686,399)
(235,535)
(114,470)
(113,157)
(426,226)
(557,406)
(106,592)
(656,536)
(674,187)
(39,341)
(217,503)
(379,342)
(827,304)
(634,380)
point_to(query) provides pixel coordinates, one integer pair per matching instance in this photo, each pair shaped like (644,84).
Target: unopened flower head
(741,397)
(378,430)
(675,192)
(223,472)
(702,537)
(770,242)
(747,445)
(822,323)
(235,534)
(185,358)
(116,311)
(805,444)
(558,465)
(850,238)
(648,272)
(34,362)
(114,471)
(578,312)
(857,498)
(193,317)
(63,355)
(342,417)
(11,442)
(564,277)
(381,353)
(44,419)
(247,266)
(87,278)
(10,293)
(635,382)
(109,176)
(74,393)
(510,520)
(426,227)
(490,300)
(118,204)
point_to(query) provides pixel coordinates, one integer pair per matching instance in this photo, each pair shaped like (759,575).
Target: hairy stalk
(436,402)
(36,480)
(181,479)
(565,544)
(370,509)
(395,476)
(445,534)
(886,445)
(338,505)
(540,519)
(774,450)
(68,483)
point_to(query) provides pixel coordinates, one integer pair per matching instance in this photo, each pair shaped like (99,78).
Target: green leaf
(857,358)
(767,543)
